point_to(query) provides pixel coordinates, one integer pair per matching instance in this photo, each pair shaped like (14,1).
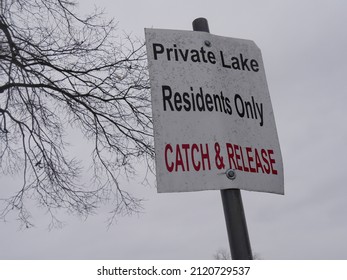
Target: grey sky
(304,47)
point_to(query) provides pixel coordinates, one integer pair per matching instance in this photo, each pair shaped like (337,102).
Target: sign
(212,113)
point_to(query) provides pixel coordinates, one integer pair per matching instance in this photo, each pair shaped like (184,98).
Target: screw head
(231,174)
(207,43)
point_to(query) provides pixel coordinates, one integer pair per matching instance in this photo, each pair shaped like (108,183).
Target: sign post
(240,246)
(214,127)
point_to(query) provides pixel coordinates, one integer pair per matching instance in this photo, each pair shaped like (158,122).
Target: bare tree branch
(60,70)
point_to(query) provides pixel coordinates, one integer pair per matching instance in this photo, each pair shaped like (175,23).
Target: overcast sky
(304,48)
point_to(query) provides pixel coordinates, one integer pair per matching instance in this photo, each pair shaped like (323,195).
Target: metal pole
(201,24)
(240,246)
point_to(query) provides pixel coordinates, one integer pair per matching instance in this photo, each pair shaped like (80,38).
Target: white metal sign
(212,113)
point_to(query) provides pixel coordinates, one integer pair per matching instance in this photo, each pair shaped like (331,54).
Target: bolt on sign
(214,126)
